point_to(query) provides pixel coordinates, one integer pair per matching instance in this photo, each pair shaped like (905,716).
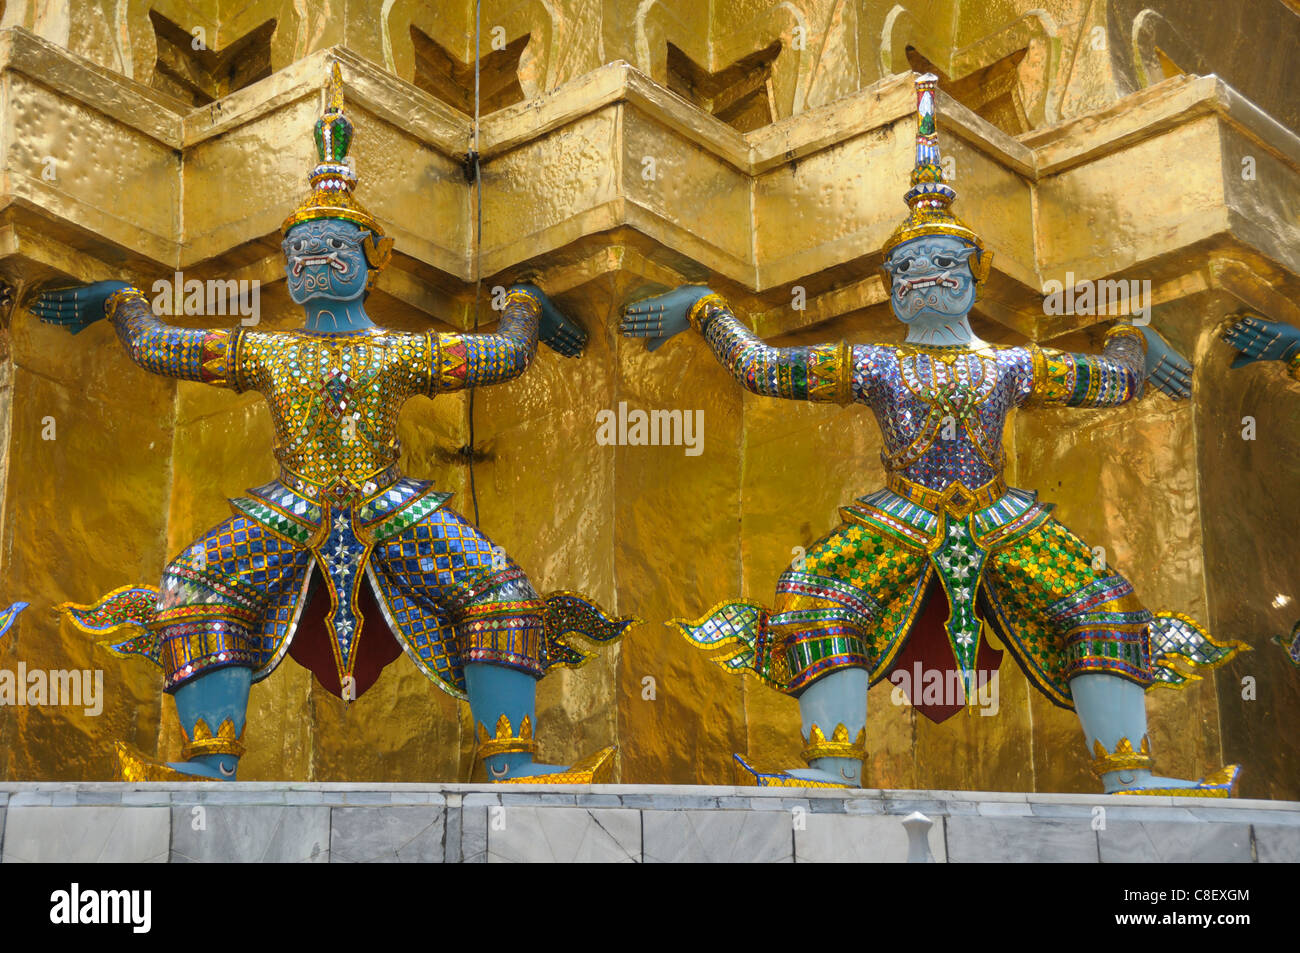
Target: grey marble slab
(537,798)
(930,806)
(1004,808)
(857,839)
(1066,810)
(103,834)
(517,834)
(453,819)
(1020,840)
(695,836)
(599,800)
(409,834)
(225,833)
(1163,842)
(1237,814)
(653,800)
(1277,844)
(473,831)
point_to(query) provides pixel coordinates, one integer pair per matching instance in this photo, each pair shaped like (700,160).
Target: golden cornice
(1008,186)
(140,107)
(368,87)
(1172,102)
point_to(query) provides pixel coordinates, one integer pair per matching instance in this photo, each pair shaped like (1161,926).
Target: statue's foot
(1221,783)
(794,778)
(596,768)
(134,765)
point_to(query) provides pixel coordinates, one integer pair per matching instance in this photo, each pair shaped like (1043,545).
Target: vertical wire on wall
(472,167)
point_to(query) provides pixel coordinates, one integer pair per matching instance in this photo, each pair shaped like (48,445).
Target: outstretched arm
(1131,357)
(190,354)
(822,372)
(473,360)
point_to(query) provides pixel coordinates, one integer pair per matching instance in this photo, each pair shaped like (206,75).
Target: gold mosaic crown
(930,198)
(333,178)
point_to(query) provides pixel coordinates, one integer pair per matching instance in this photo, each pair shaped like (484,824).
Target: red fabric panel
(375,648)
(927,647)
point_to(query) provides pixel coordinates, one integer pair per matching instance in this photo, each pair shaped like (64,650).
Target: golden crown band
(837,746)
(331,206)
(506,741)
(204,742)
(1123,758)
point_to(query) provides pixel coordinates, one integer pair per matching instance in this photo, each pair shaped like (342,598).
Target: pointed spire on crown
(333,178)
(930,197)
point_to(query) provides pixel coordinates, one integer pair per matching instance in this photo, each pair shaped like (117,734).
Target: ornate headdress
(333,178)
(929,197)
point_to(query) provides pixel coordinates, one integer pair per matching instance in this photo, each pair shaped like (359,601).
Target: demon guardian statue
(946,530)
(341,537)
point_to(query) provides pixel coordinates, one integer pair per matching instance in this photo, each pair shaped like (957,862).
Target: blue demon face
(324,259)
(932,280)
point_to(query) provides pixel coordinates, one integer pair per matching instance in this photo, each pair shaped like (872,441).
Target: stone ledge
(344,823)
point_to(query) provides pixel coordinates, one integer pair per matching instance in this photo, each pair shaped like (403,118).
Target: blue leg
(494,691)
(838,699)
(1113,713)
(215,698)
(501,630)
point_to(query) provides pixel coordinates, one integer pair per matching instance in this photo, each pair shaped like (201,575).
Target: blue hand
(1259,339)
(554,329)
(662,316)
(1168,370)
(75,308)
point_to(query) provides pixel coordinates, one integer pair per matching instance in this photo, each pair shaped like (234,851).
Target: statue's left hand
(76,308)
(555,329)
(1259,339)
(1168,370)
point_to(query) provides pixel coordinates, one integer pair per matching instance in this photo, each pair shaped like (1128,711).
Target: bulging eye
(336,243)
(297,245)
(943,261)
(903,266)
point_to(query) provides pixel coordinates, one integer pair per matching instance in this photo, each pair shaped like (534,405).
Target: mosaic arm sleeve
(822,372)
(472,360)
(189,354)
(1108,379)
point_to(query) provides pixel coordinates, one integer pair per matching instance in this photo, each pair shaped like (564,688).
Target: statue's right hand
(662,316)
(75,308)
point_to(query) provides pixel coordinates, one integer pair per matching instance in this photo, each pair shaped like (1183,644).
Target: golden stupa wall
(1073,154)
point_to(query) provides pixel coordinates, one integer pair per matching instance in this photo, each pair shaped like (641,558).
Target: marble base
(464,823)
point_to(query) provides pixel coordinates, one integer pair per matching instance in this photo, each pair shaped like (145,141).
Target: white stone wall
(343,823)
